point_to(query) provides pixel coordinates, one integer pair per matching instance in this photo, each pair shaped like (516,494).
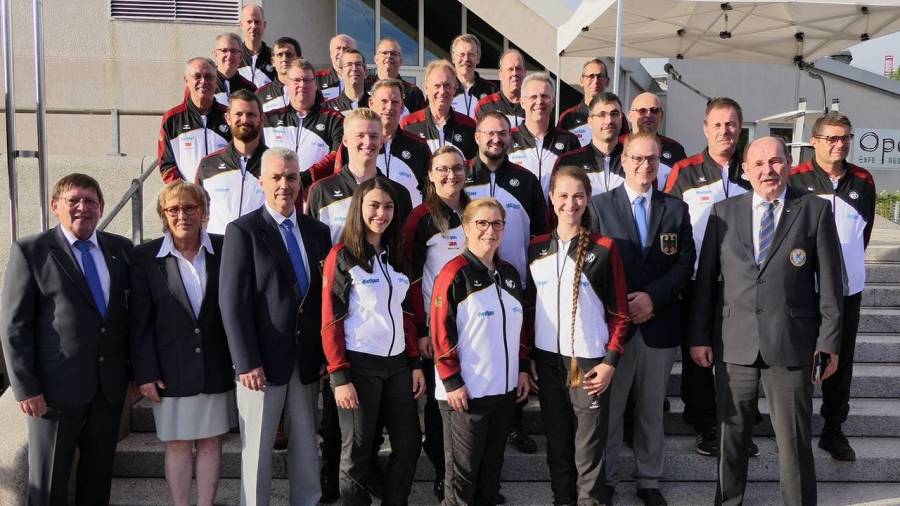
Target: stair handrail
(135,195)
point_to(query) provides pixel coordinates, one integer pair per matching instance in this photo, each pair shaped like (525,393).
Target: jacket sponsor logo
(438,301)
(514,182)
(476,283)
(559,146)
(544,252)
(798,257)
(187,144)
(515,145)
(406,174)
(590,257)
(406,154)
(269,67)
(510,283)
(320,127)
(517,309)
(668,243)
(457,137)
(280,123)
(810,189)
(371,281)
(223,128)
(854,195)
(222,166)
(485,314)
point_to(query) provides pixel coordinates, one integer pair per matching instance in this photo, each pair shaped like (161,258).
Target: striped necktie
(766,231)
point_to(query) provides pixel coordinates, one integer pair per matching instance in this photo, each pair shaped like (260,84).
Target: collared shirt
(96,254)
(633,195)
(193,272)
(278,217)
(759,210)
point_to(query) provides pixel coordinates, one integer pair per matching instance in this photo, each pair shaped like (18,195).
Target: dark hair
(432,200)
(584,239)
(605,97)
(351,51)
(496,115)
(598,61)
(354,234)
(288,41)
(76,180)
(724,103)
(832,118)
(245,96)
(302,65)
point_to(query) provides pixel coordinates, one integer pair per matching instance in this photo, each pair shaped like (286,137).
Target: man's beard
(494,157)
(245,133)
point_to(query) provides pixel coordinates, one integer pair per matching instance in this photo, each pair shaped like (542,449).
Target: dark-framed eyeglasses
(444,169)
(639,159)
(482,225)
(188,210)
(647,110)
(831,140)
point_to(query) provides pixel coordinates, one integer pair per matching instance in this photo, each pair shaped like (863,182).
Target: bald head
(336,47)
(646,113)
(253,26)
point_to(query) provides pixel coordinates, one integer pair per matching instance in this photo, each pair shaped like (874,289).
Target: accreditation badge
(668,243)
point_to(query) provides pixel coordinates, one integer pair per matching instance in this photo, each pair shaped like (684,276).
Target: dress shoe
(439,489)
(521,441)
(835,442)
(652,497)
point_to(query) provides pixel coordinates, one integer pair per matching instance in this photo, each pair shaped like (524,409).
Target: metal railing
(135,194)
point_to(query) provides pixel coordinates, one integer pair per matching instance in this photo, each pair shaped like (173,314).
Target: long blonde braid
(584,238)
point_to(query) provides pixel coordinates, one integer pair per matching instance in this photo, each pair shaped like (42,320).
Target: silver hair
(282,154)
(542,77)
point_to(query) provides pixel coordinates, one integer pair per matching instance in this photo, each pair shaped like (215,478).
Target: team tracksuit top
(233,191)
(698,182)
(364,310)
(476,328)
(466,100)
(427,250)
(575,120)
(330,84)
(344,105)
(273,96)
(227,86)
(605,173)
(459,130)
(313,137)
(540,159)
(262,73)
(497,101)
(602,300)
(853,203)
(519,192)
(186,137)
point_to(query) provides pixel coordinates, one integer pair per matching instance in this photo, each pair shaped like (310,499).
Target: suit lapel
(744,218)
(168,266)
(114,261)
(657,210)
(62,253)
(791,209)
(272,237)
(212,280)
(312,251)
(626,217)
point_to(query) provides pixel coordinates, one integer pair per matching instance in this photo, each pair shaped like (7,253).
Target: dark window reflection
(443,21)
(491,40)
(400,20)
(356,18)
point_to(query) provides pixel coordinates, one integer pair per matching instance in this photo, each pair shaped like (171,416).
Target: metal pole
(620,13)
(137,212)
(41,108)
(558,81)
(9,91)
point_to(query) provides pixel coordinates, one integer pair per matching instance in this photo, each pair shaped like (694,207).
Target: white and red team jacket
(601,321)
(427,250)
(476,328)
(313,136)
(186,137)
(604,172)
(365,311)
(852,200)
(540,158)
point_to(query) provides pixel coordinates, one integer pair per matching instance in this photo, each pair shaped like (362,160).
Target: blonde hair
(176,189)
(468,38)
(361,114)
(473,207)
(443,64)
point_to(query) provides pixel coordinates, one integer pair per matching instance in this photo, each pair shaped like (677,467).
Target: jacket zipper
(497,280)
(390,295)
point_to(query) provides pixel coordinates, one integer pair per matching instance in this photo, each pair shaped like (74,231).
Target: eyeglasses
(227,50)
(174,211)
(482,225)
(604,115)
(307,81)
(444,170)
(284,55)
(833,139)
(495,133)
(86,202)
(200,77)
(639,160)
(392,54)
(594,77)
(354,64)
(644,110)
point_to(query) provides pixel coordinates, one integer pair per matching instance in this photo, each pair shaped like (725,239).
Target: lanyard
(467,99)
(564,252)
(387,159)
(299,132)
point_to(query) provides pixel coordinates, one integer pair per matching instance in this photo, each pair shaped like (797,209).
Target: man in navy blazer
(653,233)
(64,328)
(270,294)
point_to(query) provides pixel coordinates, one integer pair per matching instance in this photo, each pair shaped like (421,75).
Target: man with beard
(646,115)
(329,80)
(594,80)
(388,59)
(471,87)
(231,175)
(274,95)
(511,71)
(256,61)
(195,128)
(228,57)
(353,73)
(438,123)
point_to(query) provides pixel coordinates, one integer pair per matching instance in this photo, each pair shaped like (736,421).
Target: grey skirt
(196,417)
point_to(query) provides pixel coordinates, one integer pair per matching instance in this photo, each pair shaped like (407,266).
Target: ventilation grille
(203,11)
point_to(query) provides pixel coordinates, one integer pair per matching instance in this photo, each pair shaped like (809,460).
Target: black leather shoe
(652,497)
(439,489)
(500,499)
(753,450)
(522,442)
(835,442)
(707,443)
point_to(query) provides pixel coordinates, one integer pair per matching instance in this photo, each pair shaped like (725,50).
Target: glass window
(356,18)
(400,20)
(530,63)
(443,21)
(491,40)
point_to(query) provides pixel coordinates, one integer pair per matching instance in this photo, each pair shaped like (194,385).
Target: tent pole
(620,10)
(558,91)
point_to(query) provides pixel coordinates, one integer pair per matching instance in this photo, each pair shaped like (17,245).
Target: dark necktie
(91,275)
(766,231)
(296,257)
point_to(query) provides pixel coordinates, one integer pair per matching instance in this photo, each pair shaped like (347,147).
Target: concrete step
(883,251)
(875,320)
(881,348)
(882,272)
(878,460)
(152,491)
(881,295)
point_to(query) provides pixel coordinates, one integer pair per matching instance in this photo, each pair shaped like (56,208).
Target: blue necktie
(640,219)
(296,257)
(91,275)
(766,231)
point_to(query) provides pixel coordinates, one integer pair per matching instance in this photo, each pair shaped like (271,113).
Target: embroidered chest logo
(320,127)
(457,137)
(510,283)
(514,182)
(798,257)
(854,195)
(667,155)
(406,155)
(559,146)
(590,257)
(668,243)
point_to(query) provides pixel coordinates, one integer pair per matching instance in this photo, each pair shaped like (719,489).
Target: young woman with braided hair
(577,296)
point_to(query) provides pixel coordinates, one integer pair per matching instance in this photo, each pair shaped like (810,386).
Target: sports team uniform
(257,68)
(344,105)
(466,99)
(498,102)
(312,136)
(225,86)
(186,137)
(540,155)
(232,182)
(459,130)
(604,171)
(330,84)
(575,120)
(273,96)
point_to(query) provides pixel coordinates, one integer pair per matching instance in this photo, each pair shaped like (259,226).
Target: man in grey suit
(64,327)
(767,303)
(270,295)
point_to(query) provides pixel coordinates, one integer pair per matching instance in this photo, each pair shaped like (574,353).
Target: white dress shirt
(96,254)
(278,217)
(193,272)
(758,210)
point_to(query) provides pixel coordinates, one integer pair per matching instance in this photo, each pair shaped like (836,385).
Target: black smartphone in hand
(821,363)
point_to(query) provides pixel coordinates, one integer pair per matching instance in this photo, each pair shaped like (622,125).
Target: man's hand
(459,399)
(831,368)
(533,378)
(34,406)
(598,379)
(254,379)
(425,348)
(345,396)
(640,307)
(522,387)
(149,391)
(702,355)
(418,383)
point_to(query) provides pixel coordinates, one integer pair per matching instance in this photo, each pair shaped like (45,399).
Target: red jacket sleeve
(444,334)
(335,293)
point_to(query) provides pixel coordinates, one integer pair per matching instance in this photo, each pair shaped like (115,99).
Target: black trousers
(576,437)
(474,442)
(434,430)
(52,441)
(698,386)
(330,432)
(384,389)
(836,389)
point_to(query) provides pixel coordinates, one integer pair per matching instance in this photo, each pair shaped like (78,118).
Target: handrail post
(137,212)
(10,102)
(41,115)
(116,131)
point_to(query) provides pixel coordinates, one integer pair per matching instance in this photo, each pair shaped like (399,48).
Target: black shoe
(375,481)
(652,497)
(500,499)
(753,450)
(522,442)
(330,491)
(835,442)
(707,444)
(439,489)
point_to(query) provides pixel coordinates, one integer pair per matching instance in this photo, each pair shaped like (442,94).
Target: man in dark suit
(767,300)
(271,301)
(65,338)
(653,233)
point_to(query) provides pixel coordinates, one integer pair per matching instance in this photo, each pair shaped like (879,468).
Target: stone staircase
(873,429)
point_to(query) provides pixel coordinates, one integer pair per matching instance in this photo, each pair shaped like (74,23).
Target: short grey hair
(281,154)
(542,77)
(204,59)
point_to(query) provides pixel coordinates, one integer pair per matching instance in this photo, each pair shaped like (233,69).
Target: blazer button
(196,331)
(760,281)
(101,359)
(298,333)
(759,311)
(103,330)
(197,349)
